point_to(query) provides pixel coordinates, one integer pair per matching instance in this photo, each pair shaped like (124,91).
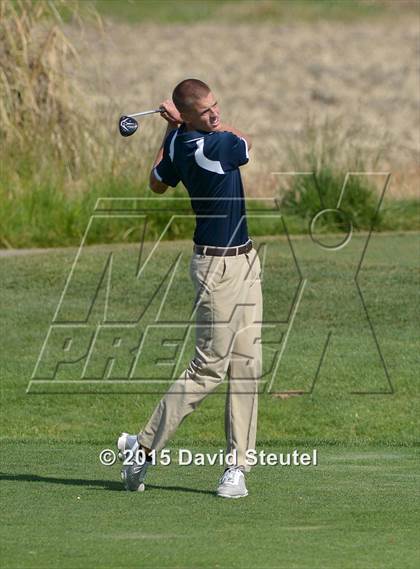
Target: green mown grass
(190,11)
(357,508)
(32,286)
(63,509)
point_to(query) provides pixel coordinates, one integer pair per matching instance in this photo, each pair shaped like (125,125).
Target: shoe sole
(230,496)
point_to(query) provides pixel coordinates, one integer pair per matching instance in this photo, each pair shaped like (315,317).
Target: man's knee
(208,370)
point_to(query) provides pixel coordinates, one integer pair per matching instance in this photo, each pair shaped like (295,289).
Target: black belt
(223,251)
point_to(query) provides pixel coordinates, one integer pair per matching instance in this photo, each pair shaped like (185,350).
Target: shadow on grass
(104,484)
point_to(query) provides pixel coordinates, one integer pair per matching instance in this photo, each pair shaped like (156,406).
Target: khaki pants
(228,312)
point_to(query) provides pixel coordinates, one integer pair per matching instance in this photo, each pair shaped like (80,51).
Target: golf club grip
(144,113)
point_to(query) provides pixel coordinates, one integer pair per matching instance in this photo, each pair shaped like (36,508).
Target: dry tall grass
(48,129)
(35,97)
(270,77)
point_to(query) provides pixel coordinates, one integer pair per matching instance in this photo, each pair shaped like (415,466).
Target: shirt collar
(190,134)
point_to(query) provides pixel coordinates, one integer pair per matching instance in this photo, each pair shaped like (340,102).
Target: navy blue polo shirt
(208,163)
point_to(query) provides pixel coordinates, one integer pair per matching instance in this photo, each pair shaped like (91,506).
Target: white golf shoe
(232,484)
(132,474)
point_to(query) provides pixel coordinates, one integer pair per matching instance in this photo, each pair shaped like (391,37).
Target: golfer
(205,155)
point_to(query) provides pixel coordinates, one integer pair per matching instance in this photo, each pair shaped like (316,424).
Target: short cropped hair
(187,92)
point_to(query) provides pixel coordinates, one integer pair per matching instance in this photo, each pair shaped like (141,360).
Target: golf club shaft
(144,113)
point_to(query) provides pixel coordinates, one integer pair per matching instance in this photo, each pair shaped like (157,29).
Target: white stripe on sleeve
(155,172)
(172,146)
(246,148)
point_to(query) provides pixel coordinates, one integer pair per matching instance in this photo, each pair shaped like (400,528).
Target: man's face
(204,114)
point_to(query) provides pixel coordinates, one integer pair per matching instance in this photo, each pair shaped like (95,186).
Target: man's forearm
(230,128)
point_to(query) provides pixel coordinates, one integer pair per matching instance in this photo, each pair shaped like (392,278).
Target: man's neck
(190,127)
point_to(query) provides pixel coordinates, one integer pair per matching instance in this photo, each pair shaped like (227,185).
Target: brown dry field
(270,80)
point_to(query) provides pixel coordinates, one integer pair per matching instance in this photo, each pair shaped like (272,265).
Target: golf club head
(127,125)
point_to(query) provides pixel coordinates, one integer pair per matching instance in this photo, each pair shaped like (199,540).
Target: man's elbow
(156,186)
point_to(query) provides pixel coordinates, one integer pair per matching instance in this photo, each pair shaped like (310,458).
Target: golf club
(128,124)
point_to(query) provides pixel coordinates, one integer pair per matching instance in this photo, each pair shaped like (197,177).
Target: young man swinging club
(205,154)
